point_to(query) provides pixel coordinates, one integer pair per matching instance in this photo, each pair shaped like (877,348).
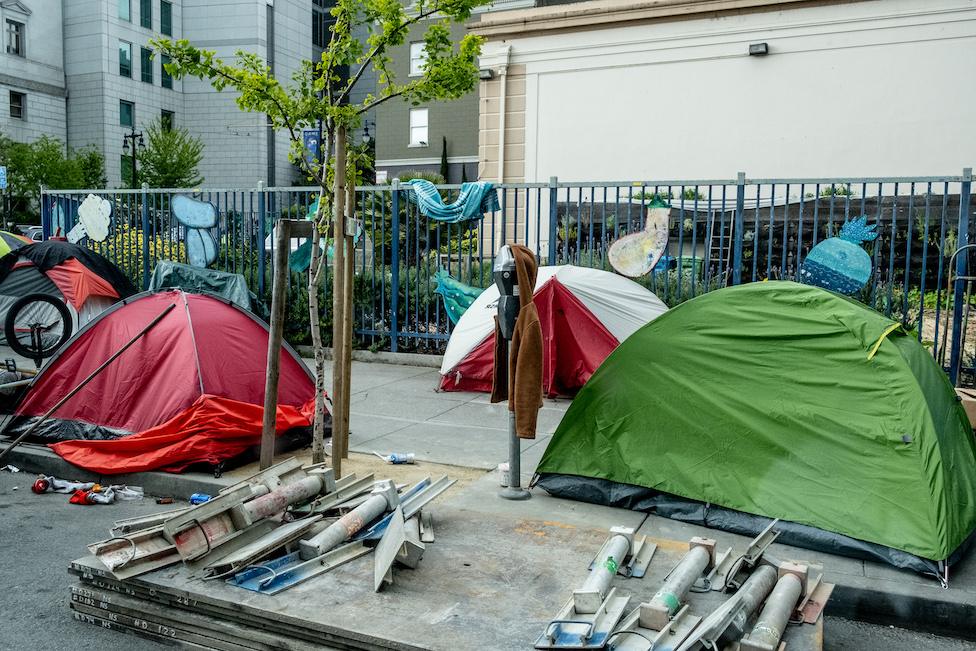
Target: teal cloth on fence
(457,296)
(474,200)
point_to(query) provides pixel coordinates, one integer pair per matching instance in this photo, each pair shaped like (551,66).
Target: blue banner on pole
(3,177)
(310,138)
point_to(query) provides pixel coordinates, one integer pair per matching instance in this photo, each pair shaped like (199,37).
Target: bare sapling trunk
(314,281)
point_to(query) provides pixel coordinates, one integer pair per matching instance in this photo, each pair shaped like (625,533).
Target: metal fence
(721,232)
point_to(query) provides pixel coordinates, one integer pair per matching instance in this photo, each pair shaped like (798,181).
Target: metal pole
(775,614)
(514,490)
(667,600)
(91,376)
(395,267)
(261,237)
(553,218)
(955,355)
(275,334)
(279,499)
(384,498)
(587,599)
(145,236)
(740,200)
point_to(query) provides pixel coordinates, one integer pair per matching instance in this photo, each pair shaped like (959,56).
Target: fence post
(395,267)
(958,293)
(553,218)
(262,216)
(145,235)
(740,201)
(45,215)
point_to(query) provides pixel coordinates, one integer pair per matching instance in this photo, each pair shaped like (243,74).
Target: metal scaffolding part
(775,615)
(728,622)
(384,498)
(656,613)
(631,635)
(589,598)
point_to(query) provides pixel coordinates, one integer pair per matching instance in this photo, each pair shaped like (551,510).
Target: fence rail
(721,232)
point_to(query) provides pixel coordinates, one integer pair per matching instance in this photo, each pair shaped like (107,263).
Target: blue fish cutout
(840,264)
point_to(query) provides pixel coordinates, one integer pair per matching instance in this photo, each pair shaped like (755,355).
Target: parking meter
(506,279)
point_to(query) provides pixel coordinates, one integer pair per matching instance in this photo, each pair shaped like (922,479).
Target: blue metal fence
(722,232)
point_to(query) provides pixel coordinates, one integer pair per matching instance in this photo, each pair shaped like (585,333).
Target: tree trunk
(347,311)
(314,280)
(340,380)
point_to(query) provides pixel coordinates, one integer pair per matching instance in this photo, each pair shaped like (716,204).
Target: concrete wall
(862,88)
(38,75)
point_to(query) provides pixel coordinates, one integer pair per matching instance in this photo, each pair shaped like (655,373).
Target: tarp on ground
(786,401)
(175,275)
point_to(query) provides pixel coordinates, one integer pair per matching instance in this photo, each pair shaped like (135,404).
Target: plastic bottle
(199,498)
(401,457)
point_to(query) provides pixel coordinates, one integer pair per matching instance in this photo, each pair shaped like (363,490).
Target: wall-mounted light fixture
(758,49)
(486,74)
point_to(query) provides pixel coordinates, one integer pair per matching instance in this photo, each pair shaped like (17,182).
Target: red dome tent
(191,390)
(585,313)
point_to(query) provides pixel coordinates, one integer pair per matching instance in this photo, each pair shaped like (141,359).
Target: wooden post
(274,342)
(340,397)
(347,311)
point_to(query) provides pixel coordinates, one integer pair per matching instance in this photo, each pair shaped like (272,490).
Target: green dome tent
(780,400)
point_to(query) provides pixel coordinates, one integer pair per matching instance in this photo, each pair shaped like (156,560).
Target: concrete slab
(444,443)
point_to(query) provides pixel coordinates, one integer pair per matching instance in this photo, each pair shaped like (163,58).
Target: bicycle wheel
(37,325)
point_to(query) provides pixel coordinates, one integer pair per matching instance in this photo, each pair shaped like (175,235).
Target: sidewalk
(397,409)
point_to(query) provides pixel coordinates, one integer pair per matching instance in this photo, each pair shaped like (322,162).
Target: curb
(382,357)
(899,606)
(38,459)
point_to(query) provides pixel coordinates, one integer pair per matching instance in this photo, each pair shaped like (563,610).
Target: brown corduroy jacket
(523,386)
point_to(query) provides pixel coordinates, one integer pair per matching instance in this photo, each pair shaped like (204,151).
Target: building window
(165,78)
(127,111)
(418,57)
(418,127)
(322,22)
(145,13)
(125,10)
(166,18)
(125,59)
(147,65)
(15,38)
(18,105)
(167,119)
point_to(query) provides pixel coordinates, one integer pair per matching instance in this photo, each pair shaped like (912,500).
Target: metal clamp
(576,622)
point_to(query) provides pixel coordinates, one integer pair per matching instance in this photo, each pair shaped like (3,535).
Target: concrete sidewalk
(398,409)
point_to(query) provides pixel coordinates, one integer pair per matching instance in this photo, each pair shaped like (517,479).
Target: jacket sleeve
(528,378)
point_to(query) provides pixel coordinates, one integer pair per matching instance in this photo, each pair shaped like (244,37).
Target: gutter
(503,93)
(597,14)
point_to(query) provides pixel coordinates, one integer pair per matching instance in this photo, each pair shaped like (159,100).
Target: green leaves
(363,34)
(171,158)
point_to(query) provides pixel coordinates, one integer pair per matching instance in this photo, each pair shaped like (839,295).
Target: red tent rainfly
(189,391)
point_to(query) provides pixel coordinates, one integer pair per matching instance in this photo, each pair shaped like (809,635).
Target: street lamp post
(133,135)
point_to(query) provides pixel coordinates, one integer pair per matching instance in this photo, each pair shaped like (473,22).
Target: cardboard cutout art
(840,264)
(94,220)
(198,217)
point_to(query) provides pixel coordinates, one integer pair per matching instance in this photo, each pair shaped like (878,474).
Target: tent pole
(91,376)
(275,334)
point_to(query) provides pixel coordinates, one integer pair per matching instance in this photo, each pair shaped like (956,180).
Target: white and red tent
(585,314)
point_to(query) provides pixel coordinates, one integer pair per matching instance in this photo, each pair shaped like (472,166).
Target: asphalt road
(41,534)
